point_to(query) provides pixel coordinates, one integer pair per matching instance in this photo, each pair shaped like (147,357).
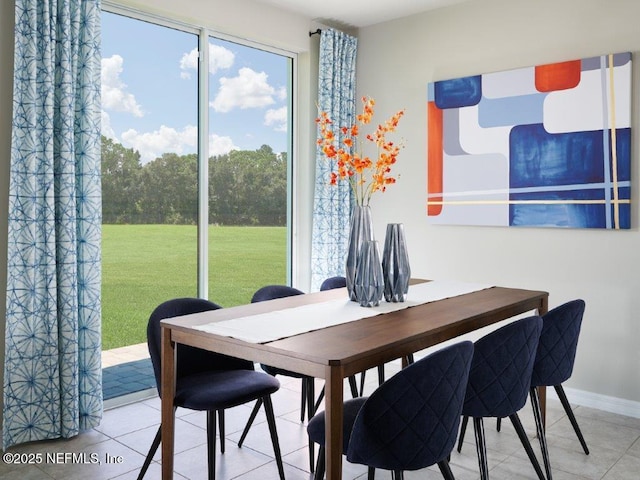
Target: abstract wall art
(544,146)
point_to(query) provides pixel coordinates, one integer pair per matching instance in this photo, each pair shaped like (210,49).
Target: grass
(144,265)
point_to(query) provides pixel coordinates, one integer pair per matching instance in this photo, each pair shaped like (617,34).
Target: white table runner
(271,326)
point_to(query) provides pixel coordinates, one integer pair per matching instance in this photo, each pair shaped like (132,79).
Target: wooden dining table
(334,353)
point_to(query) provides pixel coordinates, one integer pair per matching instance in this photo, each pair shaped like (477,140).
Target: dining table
(326,336)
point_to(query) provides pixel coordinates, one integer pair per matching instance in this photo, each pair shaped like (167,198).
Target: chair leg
(362,377)
(152,451)
(318,401)
(481,448)
(572,418)
(397,475)
(310,412)
(211,444)
(252,417)
(371,473)
(221,429)
(445,469)
(380,374)
(537,415)
(353,385)
(498,424)
(320,466)
(271,421)
(303,404)
(463,429)
(526,444)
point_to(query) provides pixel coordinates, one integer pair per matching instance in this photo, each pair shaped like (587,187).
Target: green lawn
(144,265)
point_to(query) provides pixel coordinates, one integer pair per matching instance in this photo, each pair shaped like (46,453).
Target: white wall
(397,59)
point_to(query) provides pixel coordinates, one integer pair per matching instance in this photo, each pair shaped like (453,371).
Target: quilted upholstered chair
(408,423)
(554,365)
(208,381)
(499,383)
(333,282)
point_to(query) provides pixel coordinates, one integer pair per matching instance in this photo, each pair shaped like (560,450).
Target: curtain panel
(332,203)
(52,370)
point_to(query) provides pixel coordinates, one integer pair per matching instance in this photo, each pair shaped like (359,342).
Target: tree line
(245,187)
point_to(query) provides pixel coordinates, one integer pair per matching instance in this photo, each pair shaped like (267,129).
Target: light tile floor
(123,438)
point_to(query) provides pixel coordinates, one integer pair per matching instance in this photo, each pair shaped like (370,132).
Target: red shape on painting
(558,76)
(434,159)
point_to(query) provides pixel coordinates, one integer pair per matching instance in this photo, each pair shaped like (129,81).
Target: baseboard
(616,405)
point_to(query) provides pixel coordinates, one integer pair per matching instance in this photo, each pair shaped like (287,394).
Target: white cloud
(276,118)
(152,145)
(105,128)
(114,91)
(220,58)
(220,145)
(250,89)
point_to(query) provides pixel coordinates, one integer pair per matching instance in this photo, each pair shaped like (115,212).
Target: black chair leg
(303,404)
(211,444)
(152,451)
(572,418)
(354,386)
(318,401)
(537,415)
(445,469)
(252,417)
(481,448)
(310,411)
(498,423)
(271,421)
(397,475)
(320,466)
(362,377)
(463,429)
(526,444)
(380,374)
(371,473)
(221,429)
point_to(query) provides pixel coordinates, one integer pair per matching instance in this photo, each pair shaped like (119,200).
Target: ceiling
(358,13)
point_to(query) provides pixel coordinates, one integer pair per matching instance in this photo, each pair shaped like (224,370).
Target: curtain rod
(317,32)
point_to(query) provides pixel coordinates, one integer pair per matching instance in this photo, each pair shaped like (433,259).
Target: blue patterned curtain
(332,204)
(52,371)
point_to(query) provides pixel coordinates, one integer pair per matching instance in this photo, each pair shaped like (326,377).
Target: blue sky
(149,91)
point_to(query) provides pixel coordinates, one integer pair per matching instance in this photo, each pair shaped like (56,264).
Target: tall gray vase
(361,231)
(395,264)
(369,280)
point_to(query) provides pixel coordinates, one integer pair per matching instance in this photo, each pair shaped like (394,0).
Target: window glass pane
(149,168)
(249,111)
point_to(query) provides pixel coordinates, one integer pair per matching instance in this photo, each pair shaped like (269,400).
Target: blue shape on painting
(574,163)
(459,92)
(538,158)
(507,111)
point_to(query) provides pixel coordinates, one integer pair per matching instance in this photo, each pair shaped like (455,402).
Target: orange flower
(363,174)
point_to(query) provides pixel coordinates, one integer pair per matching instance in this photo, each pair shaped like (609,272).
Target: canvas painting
(543,146)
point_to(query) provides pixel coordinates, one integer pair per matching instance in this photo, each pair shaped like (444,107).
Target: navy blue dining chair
(554,365)
(208,381)
(499,383)
(408,423)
